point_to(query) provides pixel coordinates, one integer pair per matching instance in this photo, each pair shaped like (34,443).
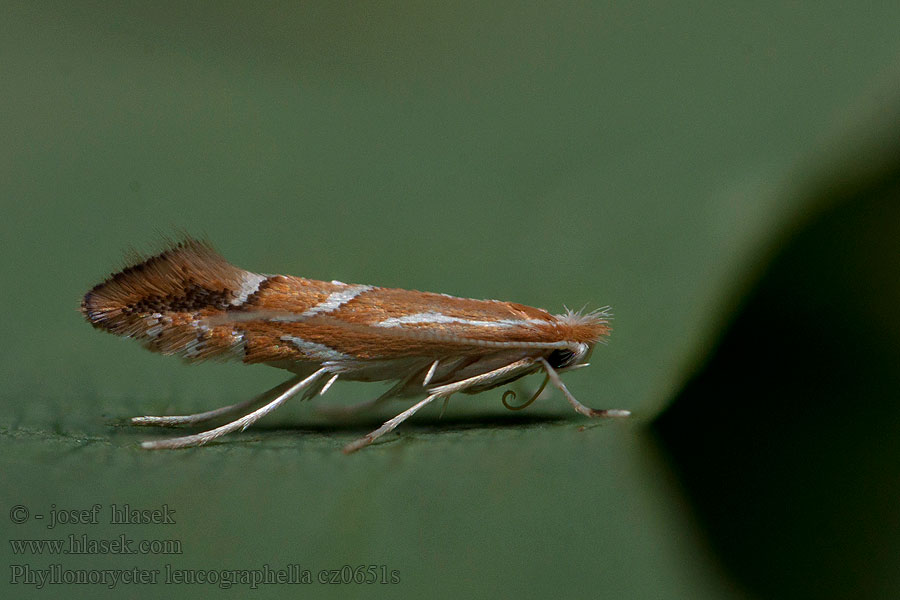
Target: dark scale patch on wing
(193,299)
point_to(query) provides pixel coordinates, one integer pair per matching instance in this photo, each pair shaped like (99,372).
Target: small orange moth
(190,302)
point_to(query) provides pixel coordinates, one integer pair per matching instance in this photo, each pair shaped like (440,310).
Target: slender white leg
(485,378)
(387,427)
(578,406)
(440,391)
(175,420)
(242,423)
(430,373)
(328,384)
(347,411)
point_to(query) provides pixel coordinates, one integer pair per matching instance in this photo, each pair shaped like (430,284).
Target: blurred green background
(724,175)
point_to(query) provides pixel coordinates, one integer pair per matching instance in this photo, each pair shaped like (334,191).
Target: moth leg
(242,423)
(578,406)
(328,384)
(440,391)
(430,373)
(319,388)
(353,409)
(387,427)
(347,411)
(176,420)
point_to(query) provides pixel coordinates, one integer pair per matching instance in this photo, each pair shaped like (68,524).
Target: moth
(190,302)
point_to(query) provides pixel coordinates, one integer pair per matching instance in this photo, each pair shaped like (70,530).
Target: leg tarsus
(240,424)
(578,406)
(177,420)
(388,426)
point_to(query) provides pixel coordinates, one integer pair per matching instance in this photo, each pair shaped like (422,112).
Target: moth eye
(559,359)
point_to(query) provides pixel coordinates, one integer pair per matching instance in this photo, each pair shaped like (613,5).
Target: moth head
(567,358)
(582,331)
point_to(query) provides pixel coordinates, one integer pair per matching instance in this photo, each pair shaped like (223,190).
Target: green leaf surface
(645,156)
